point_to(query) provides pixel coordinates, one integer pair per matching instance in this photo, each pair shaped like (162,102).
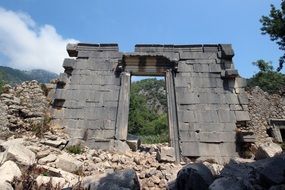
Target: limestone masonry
(206,97)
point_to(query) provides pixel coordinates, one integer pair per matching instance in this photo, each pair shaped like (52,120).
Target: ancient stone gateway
(205,94)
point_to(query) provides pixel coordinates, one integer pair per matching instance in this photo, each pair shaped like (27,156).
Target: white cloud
(29,46)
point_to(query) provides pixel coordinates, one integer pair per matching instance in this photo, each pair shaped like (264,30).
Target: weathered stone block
(208,116)
(215,68)
(197,55)
(204,68)
(231,73)
(134,142)
(96,54)
(243,99)
(242,116)
(226,116)
(187,98)
(184,66)
(240,82)
(187,116)
(69,63)
(68,163)
(166,154)
(227,51)
(99,134)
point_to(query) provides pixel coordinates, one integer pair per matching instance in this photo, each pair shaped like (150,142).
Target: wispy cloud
(27,45)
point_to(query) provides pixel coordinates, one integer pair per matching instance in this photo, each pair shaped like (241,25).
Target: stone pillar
(123,107)
(172,114)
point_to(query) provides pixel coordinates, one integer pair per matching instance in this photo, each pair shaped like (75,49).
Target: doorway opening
(148,117)
(282,131)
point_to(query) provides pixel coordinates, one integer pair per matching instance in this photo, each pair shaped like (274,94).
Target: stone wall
(210,98)
(262,107)
(86,98)
(205,94)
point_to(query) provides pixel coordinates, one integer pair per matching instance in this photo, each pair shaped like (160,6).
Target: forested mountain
(14,76)
(148,110)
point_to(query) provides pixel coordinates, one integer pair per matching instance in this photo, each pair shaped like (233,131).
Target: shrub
(75,149)
(154,139)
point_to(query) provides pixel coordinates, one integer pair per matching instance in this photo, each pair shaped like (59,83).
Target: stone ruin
(206,97)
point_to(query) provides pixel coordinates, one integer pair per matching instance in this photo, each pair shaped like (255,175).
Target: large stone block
(207,127)
(208,149)
(96,64)
(207,137)
(211,98)
(187,98)
(100,124)
(231,98)
(100,134)
(68,163)
(166,154)
(186,116)
(226,116)
(207,116)
(243,99)
(104,113)
(201,68)
(215,68)
(184,66)
(69,63)
(197,55)
(227,51)
(96,54)
(242,115)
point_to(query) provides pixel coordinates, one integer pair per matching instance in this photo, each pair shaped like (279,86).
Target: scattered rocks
(125,179)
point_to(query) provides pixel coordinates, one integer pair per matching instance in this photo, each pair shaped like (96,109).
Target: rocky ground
(34,155)
(30,162)
(46,162)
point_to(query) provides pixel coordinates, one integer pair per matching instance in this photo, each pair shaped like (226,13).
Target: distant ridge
(15,76)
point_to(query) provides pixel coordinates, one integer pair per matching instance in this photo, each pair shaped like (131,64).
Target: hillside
(148,110)
(15,76)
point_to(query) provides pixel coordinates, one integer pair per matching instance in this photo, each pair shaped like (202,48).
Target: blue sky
(53,23)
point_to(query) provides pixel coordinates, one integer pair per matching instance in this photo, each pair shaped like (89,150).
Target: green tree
(267,79)
(274,26)
(144,118)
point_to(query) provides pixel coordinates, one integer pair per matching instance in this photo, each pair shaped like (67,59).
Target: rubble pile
(23,106)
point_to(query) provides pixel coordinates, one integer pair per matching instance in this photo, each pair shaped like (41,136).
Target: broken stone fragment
(68,163)
(267,150)
(19,153)
(8,171)
(166,154)
(47,159)
(134,142)
(54,143)
(56,182)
